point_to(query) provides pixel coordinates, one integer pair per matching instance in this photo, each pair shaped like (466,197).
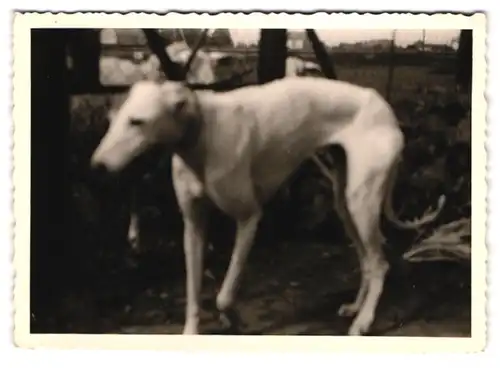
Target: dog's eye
(136,122)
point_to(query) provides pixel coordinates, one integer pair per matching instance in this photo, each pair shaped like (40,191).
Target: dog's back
(291,88)
(295,99)
(294,111)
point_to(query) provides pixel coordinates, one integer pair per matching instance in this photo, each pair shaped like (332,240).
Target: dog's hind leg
(364,211)
(364,194)
(338,180)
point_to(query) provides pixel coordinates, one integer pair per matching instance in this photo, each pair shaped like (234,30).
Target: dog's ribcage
(267,139)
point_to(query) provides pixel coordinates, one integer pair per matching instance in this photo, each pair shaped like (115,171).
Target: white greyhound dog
(235,149)
(203,70)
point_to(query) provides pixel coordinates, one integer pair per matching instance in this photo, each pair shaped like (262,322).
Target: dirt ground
(300,293)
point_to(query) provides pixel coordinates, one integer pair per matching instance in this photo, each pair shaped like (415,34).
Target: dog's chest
(233,193)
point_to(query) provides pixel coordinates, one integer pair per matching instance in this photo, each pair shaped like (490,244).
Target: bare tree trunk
(172,71)
(325,62)
(199,44)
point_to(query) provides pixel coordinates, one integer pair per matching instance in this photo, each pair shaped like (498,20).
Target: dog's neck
(191,146)
(192,126)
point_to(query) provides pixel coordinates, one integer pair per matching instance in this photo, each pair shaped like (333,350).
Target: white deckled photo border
(23,23)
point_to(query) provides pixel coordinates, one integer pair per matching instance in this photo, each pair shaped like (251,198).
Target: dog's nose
(98,168)
(100,174)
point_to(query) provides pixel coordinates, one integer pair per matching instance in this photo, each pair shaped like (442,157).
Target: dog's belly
(276,164)
(271,175)
(240,189)
(232,190)
(289,148)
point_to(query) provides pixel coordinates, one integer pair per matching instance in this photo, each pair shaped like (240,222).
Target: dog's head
(153,114)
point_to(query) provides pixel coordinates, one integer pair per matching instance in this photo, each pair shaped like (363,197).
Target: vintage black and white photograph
(251,181)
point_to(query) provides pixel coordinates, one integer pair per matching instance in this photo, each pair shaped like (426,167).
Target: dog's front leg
(134,221)
(245,235)
(133,231)
(194,242)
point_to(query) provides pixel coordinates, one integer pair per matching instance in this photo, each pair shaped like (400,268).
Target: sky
(334,37)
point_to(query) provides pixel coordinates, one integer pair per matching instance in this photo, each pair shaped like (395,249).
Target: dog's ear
(177,97)
(180,105)
(180,102)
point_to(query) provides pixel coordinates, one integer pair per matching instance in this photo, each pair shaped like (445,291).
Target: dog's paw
(190,329)
(348,310)
(357,330)
(361,325)
(226,321)
(133,240)
(230,322)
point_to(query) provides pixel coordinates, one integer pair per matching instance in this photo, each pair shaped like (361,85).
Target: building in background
(109,36)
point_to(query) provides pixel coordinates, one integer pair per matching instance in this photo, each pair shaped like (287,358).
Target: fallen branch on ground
(450,242)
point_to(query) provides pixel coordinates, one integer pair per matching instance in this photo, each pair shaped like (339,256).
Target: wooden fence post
(464,60)
(85,48)
(50,187)
(272,55)
(390,71)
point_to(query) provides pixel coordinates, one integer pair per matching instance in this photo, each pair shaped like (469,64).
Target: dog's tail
(389,210)
(387,205)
